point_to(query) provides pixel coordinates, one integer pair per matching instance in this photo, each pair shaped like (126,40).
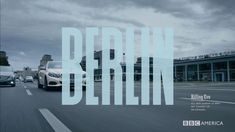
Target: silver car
(7,76)
(28,79)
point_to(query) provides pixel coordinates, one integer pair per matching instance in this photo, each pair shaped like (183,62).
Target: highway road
(25,108)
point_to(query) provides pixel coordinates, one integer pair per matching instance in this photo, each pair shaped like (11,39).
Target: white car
(28,79)
(50,76)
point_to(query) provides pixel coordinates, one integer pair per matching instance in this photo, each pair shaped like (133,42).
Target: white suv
(50,76)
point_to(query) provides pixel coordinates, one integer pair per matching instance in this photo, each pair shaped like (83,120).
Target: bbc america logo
(191,123)
(202,123)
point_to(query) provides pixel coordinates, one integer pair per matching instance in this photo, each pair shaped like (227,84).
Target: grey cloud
(179,8)
(165,6)
(115,19)
(225,6)
(190,41)
(39,32)
(215,13)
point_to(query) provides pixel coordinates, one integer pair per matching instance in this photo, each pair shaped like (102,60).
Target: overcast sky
(31,28)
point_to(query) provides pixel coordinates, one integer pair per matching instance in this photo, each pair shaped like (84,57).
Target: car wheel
(45,84)
(39,85)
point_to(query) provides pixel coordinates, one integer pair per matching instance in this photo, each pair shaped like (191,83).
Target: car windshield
(5,69)
(54,65)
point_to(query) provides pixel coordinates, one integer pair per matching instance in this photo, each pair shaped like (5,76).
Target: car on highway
(50,76)
(7,76)
(28,79)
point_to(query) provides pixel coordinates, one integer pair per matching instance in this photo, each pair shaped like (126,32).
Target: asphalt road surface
(25,108)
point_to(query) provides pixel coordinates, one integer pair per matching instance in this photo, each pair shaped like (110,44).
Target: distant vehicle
(50,76)
(28,79)
(7,76)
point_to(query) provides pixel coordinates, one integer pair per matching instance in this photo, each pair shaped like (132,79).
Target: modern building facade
(212,67)
(218,67)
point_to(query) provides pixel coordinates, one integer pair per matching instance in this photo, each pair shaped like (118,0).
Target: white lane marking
(205,89)
(55,123)
(214,101)
(28,92)
(222,89)
(25,86)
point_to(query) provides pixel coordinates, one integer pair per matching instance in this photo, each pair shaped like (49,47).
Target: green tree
(4,61)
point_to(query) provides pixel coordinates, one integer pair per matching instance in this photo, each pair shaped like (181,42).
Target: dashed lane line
(54,122)
(28,92)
